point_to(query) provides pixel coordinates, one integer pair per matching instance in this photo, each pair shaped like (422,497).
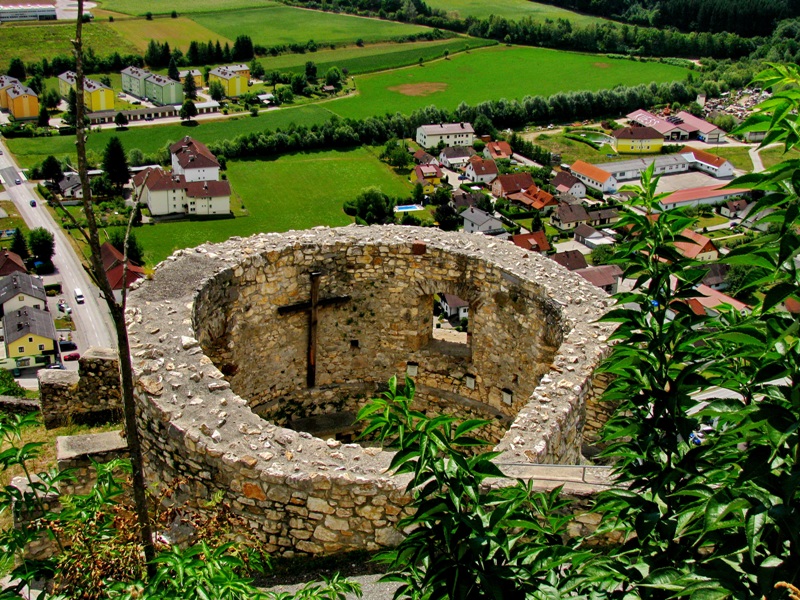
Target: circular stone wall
(220,339)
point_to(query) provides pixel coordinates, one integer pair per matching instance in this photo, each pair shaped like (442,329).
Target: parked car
(67,345)
(72,356)
(33,202)
(56,365)
(18,181)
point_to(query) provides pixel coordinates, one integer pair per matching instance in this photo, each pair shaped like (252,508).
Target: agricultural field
(178,32)
(30,151)
(510,9)
(158,7)
(372,57)
(46,40)
(494,73)
(280,24)
(295,191)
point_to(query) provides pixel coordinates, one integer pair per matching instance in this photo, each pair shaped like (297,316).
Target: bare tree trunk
(117,310)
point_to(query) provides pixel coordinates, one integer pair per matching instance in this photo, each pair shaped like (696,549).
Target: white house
(455,157)
(478,221)
(708,163)
(567,183)
(453,306)
(481,171)
(452,134)
(194,161)
(594,177)
(19,290)
(167,193)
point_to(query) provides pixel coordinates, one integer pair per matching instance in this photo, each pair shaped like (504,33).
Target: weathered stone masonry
(213,310)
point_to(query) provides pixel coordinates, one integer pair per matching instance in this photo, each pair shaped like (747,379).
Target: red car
(72,356)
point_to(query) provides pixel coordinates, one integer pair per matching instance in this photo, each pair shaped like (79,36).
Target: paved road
(92,320)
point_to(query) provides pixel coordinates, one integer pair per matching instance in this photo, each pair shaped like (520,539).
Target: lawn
(295,191)
(178,32)
(738,155)
(494,73)
(372,57)
(511,9)
(12,221)
(286,25)
(775,154)
(710,221)
(46,40)
(30,151)
(158,7)
(572,150)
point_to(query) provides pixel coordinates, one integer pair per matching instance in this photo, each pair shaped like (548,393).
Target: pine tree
(19,245)
(115,163)
(190,86)
(172,71)
(193,54)
(16,69)
(44,117)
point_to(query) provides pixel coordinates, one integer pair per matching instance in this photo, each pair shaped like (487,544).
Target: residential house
(594,177)
(23,103)
(567,217)
(481,171)
(423,158)
(6,82)
(455,157)
(11,263)
(566,183)
(70,186)
(453,306)
(233,82)
(535,198)
(591,237)
(717,277)
(734,209)
(242,69)
(428,176)
(709,194)
(697,246)
(512,183)
(452,134)
(30,336)
(119,277)
(96,96)
(495,150)
(637,140)
(603,217)
(133,79)
(163,91)
(477,221)
(571,260)
(536,241)
(167,193)
(465,199)
(711,301)
(705,131)
(194,160)
(606,277)
(66,82)
(196,75)
(708,163)
(19,290)
(208,197)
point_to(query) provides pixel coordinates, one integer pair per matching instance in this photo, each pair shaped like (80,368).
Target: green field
(738,155)
(159,7)
(372,57)
(46,40)
(178,32)
(774,154)
(510,9)
(30,151)
(295,191)
(287,25)
(494,73)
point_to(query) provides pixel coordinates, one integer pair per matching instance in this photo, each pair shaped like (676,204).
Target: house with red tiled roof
(606,277)
(423,158)
(536,241)
(114,266)
(733,208)
(428,176)
(709,163)
(697,246)
(11,262)
(167,193)
(566,183)
(511,183)
(535,198)
(594,177)
(495,150)
(481,171)
(571,260)
(194,160)
(637,140)
(568,216)
(453,306)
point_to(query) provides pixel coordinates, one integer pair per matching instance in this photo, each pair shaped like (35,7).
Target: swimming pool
(407,207)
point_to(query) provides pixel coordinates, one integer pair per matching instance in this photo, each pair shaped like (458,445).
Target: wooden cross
(312,306)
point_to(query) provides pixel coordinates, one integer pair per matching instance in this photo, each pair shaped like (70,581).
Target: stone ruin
(252,357)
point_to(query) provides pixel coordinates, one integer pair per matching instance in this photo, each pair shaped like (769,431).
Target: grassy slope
(150,139)
(497,72)
(295,191)
(178,32)
(286,25)
(141,7)
(46,40)
(511,9)
(775,154)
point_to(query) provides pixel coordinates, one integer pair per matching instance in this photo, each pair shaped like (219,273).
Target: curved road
(92,319)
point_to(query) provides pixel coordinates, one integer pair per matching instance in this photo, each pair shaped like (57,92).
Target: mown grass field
(372,57)
(46,40)
(494,73)
(30,151)
(775,154)
(159,7)
(286,25)
(510,9)
(295,191)
(570,150)
(178,32)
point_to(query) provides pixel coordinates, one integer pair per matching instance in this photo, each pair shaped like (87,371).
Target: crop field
(494,73)
(295,191)
(510,9)
(374,57)
(178,32)
(286,25)
(30,151)
(159,7)
(46,40)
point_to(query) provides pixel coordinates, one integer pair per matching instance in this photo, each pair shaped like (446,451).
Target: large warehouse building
(19,10)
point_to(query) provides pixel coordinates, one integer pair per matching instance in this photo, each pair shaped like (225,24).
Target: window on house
(41,347)
(21,298)
(21,349)
(30,339)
